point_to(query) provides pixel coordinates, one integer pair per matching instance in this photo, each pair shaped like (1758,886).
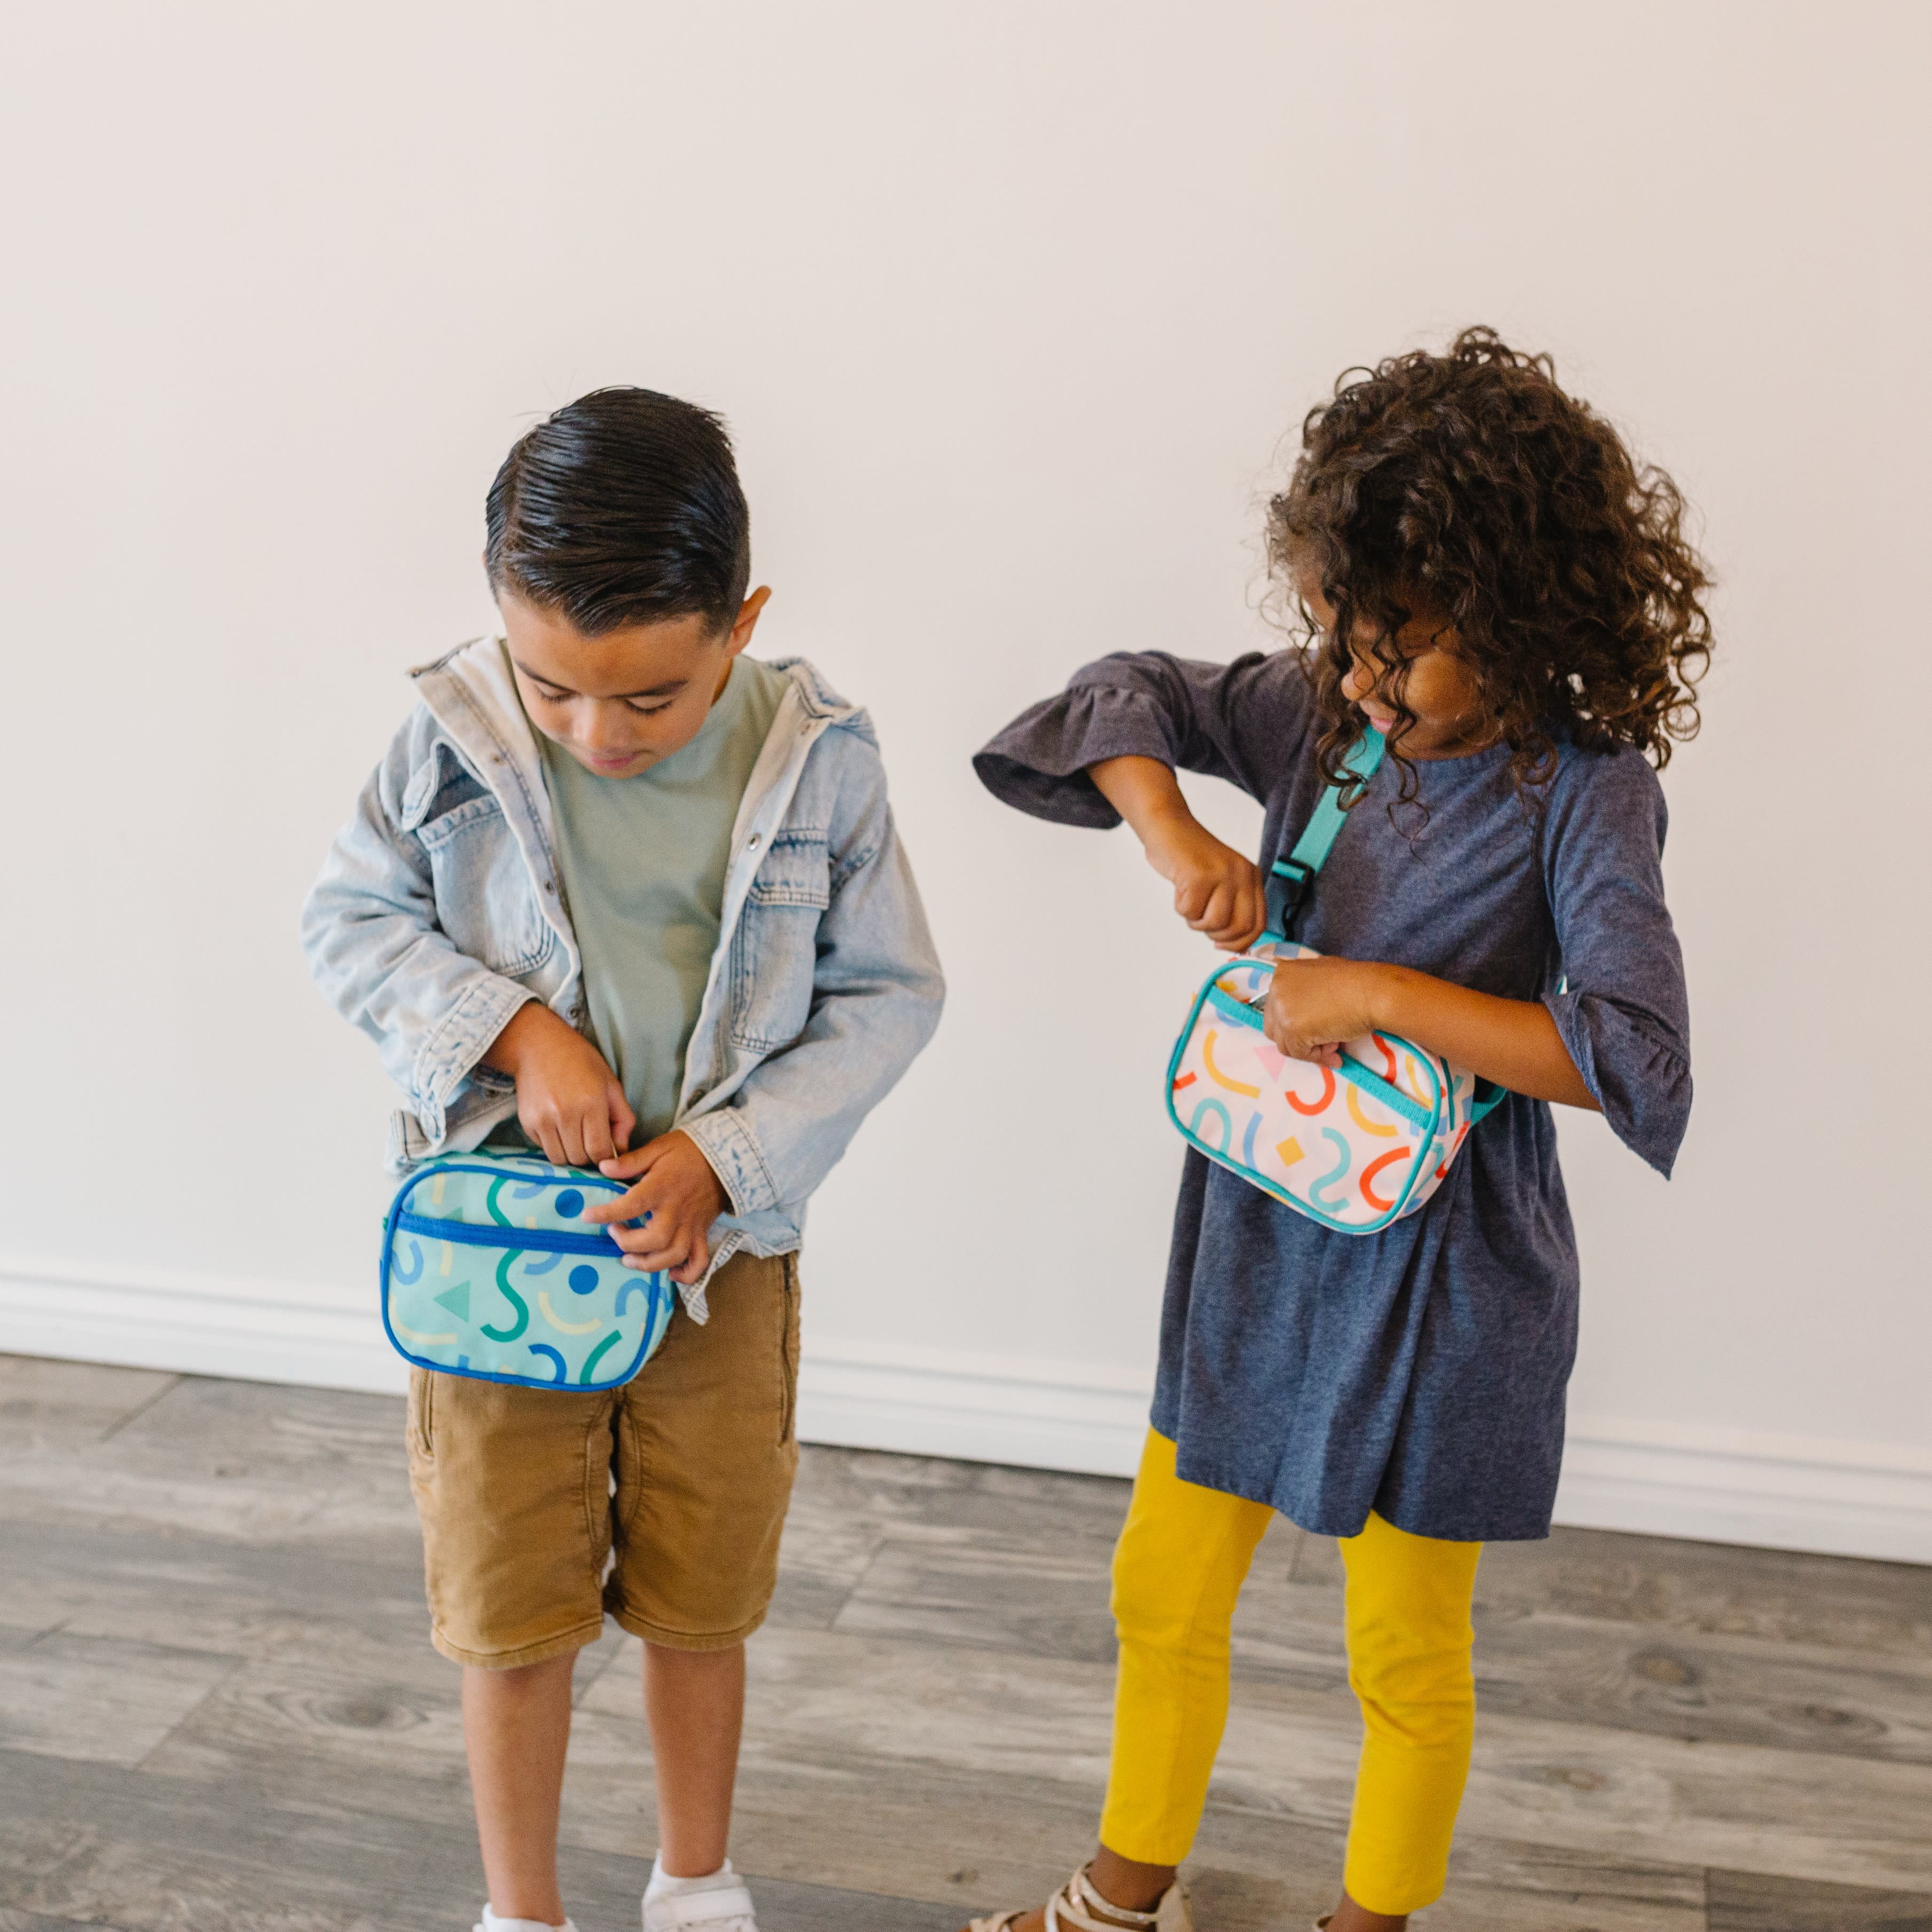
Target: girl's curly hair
(1469,486)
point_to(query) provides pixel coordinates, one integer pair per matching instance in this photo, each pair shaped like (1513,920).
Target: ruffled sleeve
(1623,1013)
(1246,722)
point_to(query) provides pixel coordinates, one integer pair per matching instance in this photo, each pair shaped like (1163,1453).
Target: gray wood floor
(219,1708)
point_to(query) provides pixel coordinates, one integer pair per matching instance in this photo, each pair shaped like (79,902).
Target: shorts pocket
(788,1345)
(421,1414)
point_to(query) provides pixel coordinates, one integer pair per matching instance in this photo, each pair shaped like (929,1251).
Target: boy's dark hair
(622,507)
(1469,486)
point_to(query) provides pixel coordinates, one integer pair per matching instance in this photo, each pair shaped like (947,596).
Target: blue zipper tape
(470,1234)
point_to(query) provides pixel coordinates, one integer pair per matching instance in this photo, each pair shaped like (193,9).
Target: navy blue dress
(1420,1372)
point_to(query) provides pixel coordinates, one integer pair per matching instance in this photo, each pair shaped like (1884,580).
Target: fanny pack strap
(1291,879)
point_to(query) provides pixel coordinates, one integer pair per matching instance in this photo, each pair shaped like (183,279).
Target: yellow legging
(1178,1568)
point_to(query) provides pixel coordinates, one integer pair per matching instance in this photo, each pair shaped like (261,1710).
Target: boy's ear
(747,620)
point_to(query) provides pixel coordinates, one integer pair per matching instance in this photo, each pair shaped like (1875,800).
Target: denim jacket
(440,911)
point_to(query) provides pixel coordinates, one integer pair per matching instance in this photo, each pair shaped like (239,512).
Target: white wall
(1009,306)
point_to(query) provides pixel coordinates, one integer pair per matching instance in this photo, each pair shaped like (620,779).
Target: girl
(1479,571)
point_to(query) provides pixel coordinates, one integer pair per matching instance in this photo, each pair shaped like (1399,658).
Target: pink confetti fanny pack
(1354,1147)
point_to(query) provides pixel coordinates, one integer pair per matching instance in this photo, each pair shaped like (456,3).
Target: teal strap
(1490,1102)
(1291,877)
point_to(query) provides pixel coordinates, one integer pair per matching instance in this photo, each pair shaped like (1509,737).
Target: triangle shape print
(456,1299)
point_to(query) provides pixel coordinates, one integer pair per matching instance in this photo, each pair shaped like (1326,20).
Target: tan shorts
(514,1486)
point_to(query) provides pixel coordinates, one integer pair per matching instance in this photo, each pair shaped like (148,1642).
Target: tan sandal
(1076,1906)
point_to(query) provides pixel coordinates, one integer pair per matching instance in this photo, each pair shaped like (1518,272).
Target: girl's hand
(1216,889)
(677,1197)
(1315,1005)
(568,1101)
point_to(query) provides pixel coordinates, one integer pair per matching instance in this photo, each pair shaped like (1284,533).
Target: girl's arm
(1315,1004)
(1247,722)
(1216,889)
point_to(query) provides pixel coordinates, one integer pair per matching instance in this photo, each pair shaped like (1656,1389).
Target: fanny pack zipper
(470,1234)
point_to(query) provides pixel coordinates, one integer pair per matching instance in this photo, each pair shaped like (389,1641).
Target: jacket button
(751,843)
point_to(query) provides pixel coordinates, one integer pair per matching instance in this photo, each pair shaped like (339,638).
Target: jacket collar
(471,695)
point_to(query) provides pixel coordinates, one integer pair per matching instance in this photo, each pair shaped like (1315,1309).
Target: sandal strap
(1077,1903)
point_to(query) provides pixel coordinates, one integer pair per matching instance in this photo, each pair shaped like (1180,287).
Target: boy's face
(621,703)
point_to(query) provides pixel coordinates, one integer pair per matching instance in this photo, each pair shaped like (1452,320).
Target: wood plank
(150,1854)
(924,1496)
(350,1602)
(1670,1682)
(47,1406)
(986,1593)
(318,1718)
(1723,1589)
(845,1701)
(863,1828)
(1750,1902)
(105,1698)
(997,1593)
(32,1921)
(1825,1703)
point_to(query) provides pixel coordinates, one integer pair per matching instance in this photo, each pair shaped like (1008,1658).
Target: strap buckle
(1289,883)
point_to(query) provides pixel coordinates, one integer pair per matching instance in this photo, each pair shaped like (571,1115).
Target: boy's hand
(568,1099)
(1216,890)
(1315,1007)
(677,1196)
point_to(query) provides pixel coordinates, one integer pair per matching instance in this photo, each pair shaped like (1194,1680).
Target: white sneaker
(489,1922)
(719,1903)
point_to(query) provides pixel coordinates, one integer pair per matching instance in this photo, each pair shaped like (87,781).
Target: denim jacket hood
(439,910)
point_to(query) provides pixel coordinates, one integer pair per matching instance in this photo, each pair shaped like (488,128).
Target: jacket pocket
(774,951)
(484,900)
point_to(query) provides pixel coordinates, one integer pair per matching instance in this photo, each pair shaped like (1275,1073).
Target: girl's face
(1439,688)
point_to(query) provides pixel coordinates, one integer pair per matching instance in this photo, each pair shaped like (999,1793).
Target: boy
(624,888)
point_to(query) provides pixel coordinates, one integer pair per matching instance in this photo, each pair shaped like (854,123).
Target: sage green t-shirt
(643,862)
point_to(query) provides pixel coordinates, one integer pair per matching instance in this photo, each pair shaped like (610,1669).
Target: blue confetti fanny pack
(490,1271)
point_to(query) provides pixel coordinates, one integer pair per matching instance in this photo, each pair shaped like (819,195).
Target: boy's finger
(599,1146)
(629,1206)
(623,1166)
(553,1147)
(636,1200)
(645,1238)
(670,1254)
(623,1121)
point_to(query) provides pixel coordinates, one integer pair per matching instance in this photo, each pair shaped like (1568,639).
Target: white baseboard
(981,1408)
(261,1331)
(1785,1492)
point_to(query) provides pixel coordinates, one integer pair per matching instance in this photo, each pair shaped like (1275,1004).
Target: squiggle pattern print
(557,1322)
(600,1329)
(1379,1162)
